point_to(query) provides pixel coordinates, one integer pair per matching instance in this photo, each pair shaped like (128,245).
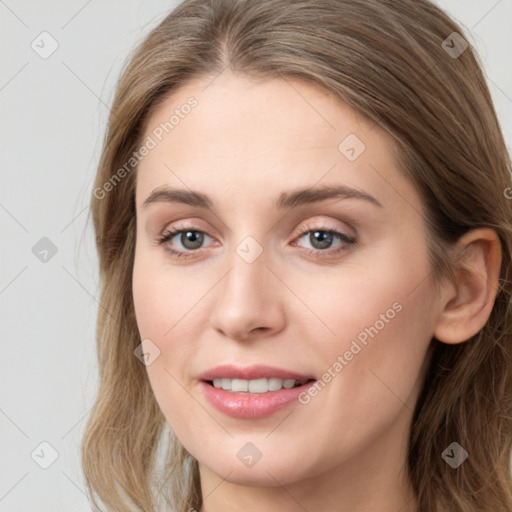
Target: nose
(249,300)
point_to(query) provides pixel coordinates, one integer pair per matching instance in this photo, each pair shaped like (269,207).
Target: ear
(469,300)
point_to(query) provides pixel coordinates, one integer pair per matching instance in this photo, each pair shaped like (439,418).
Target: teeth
(255,385)
(258,386)
(239,385)
(225,383)
(275,384)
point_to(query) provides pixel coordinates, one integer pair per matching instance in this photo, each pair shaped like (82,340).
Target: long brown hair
(398,63)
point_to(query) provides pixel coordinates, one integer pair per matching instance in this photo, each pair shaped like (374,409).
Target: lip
(251,405)
(228,371)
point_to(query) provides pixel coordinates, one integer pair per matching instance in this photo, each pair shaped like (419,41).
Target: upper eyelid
(309,224)
(176,230)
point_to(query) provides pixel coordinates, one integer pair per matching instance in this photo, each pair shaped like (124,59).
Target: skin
(245,143)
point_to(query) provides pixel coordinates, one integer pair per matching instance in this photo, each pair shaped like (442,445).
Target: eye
(184,241)
(190,238)
(322,239)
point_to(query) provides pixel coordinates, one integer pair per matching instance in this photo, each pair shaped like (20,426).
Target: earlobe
(474,291)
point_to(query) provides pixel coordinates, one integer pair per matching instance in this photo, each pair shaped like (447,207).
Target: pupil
(191,239)
(324,241)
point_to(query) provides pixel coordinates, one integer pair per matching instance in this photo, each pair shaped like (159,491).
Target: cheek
(376,315)
(162,297)
(161,308)
(168,304)
(385,289)
(152,302)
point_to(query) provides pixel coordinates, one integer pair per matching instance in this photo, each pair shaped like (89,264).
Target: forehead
(234,133)
(234,108)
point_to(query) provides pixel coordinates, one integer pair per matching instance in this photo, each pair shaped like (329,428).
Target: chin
(265,473)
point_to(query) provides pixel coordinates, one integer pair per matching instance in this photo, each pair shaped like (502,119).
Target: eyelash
(315,253)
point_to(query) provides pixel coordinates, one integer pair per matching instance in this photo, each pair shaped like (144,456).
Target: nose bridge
(246,299)
(243,284)
(249,254)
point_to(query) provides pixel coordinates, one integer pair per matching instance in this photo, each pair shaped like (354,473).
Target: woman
(304,232)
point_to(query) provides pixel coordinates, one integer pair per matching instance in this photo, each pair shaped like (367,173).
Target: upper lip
(229,371)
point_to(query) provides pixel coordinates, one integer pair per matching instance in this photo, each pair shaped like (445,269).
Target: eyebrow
(291,199)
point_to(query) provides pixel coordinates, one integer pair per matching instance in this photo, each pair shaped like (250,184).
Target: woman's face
(302,262)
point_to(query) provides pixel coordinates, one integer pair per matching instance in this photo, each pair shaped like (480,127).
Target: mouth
(251,392)
(256,386)
(254,396)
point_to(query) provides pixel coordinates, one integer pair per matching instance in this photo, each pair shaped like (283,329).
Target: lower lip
(252,405)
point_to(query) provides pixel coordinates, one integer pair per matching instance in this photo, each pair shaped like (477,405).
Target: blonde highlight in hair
(385,59)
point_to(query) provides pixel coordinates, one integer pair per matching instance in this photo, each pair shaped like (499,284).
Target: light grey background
(53,115)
